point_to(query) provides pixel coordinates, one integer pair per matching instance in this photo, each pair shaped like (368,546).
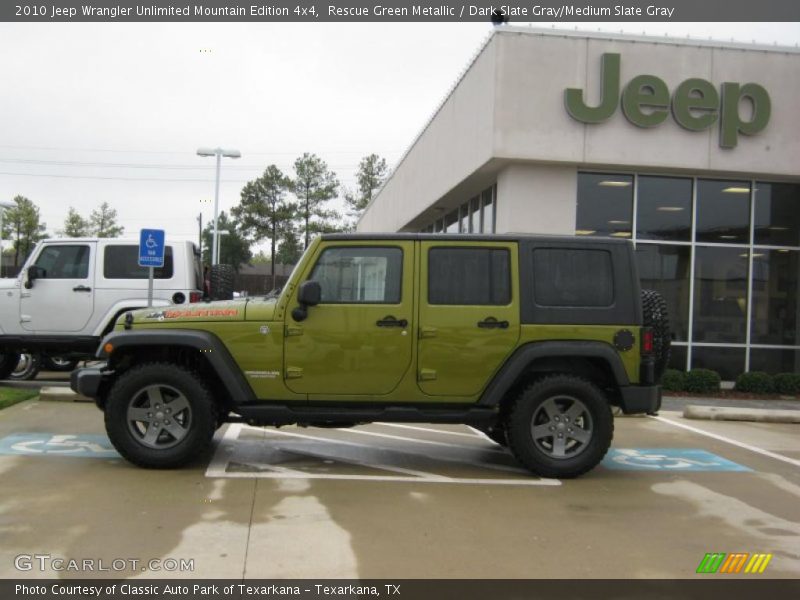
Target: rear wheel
(57,363)
(560,426)
(160,415)
(8,362)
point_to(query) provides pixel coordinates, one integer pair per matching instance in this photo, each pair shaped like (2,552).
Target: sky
(115,111)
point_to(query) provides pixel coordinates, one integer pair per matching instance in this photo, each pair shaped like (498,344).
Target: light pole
(3,206)
(219,153)
(220,232)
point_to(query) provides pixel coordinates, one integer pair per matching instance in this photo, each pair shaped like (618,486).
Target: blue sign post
(151,255)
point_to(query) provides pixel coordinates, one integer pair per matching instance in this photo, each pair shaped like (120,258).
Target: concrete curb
(61,394)
(758,415)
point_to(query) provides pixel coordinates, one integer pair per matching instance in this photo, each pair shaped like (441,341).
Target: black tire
(8,362)
(654,311)
(148,391)
(27,368)
(222,282)
(560,405)
(57,363)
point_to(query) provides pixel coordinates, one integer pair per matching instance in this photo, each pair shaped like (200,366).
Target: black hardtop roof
(475,237)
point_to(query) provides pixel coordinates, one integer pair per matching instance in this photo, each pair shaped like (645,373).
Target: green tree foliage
(234,248)
(314,185)
(263,210)
(372,172)
(290,249)
(103,222)
(22,225)
(75,225)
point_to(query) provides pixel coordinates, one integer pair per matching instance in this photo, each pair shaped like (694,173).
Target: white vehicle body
(71,291)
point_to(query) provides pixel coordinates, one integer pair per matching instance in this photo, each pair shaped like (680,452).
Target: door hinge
(24,318)
(293,330)
(427,332)
(427,374)
(294,372)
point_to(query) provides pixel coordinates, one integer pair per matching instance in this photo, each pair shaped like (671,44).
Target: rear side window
(64,262)
(122,262)
(469,276)
(359,275)
(573,277)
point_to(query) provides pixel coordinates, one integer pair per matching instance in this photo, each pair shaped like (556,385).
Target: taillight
(647,340)
(195,297)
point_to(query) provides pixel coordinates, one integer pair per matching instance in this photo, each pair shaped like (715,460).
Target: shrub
(754,382)
(702,381)
(787,383)
(673,380)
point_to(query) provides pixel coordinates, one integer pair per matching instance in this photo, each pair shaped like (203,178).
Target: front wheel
(560,426)
(160,415)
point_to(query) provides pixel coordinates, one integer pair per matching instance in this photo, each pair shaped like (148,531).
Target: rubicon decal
(733,563)
(211,312)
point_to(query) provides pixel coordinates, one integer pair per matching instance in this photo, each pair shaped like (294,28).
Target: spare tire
(654,312)
(222,282)
(8,362)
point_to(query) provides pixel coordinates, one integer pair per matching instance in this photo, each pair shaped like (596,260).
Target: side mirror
(34,273)
(309,294)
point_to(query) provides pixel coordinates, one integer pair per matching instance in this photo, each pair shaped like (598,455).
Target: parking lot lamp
(219,153)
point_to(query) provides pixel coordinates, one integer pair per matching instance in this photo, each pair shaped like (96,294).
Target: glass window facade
(476,215)
(725,254)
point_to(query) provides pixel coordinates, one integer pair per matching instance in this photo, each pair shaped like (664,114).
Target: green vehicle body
(277,361)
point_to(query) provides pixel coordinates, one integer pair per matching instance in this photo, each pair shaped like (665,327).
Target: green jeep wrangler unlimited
(531,339)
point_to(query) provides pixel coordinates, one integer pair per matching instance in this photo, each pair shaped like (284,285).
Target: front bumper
(638,399)
(86,381)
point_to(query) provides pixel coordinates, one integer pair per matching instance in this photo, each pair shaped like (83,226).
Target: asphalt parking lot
(395,501)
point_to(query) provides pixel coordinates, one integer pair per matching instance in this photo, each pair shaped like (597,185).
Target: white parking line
(722,438)
(421,441)
(218,466)
(445,431)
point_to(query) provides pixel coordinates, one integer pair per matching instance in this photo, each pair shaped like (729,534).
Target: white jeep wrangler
(70,292)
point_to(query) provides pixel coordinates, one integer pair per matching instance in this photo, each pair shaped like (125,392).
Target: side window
(572,277)
(122,262)
(469,276)
(359,275)
(64,262)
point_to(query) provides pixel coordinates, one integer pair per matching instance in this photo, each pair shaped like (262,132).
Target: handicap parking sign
(668,459)
(151,248)
(50,444)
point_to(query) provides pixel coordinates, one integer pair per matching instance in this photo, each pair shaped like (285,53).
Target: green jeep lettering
(696,105)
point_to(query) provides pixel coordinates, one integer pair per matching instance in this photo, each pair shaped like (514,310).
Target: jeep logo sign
(696,105)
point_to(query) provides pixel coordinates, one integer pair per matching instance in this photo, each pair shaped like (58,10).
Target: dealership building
(691,149)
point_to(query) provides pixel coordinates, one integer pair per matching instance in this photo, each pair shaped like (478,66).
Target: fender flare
(525,355)
(212,347)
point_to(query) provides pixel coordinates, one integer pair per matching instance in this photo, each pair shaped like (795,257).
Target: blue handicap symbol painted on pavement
(52,444)
(668,459)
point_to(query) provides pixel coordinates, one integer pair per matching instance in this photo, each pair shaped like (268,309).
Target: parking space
(390,500)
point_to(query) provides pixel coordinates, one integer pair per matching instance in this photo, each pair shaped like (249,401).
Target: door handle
(390,321)
(492,323)
(81,288)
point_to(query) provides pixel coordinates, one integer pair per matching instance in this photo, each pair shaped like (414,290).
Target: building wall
(508,112)
(532,122)
(536,199)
